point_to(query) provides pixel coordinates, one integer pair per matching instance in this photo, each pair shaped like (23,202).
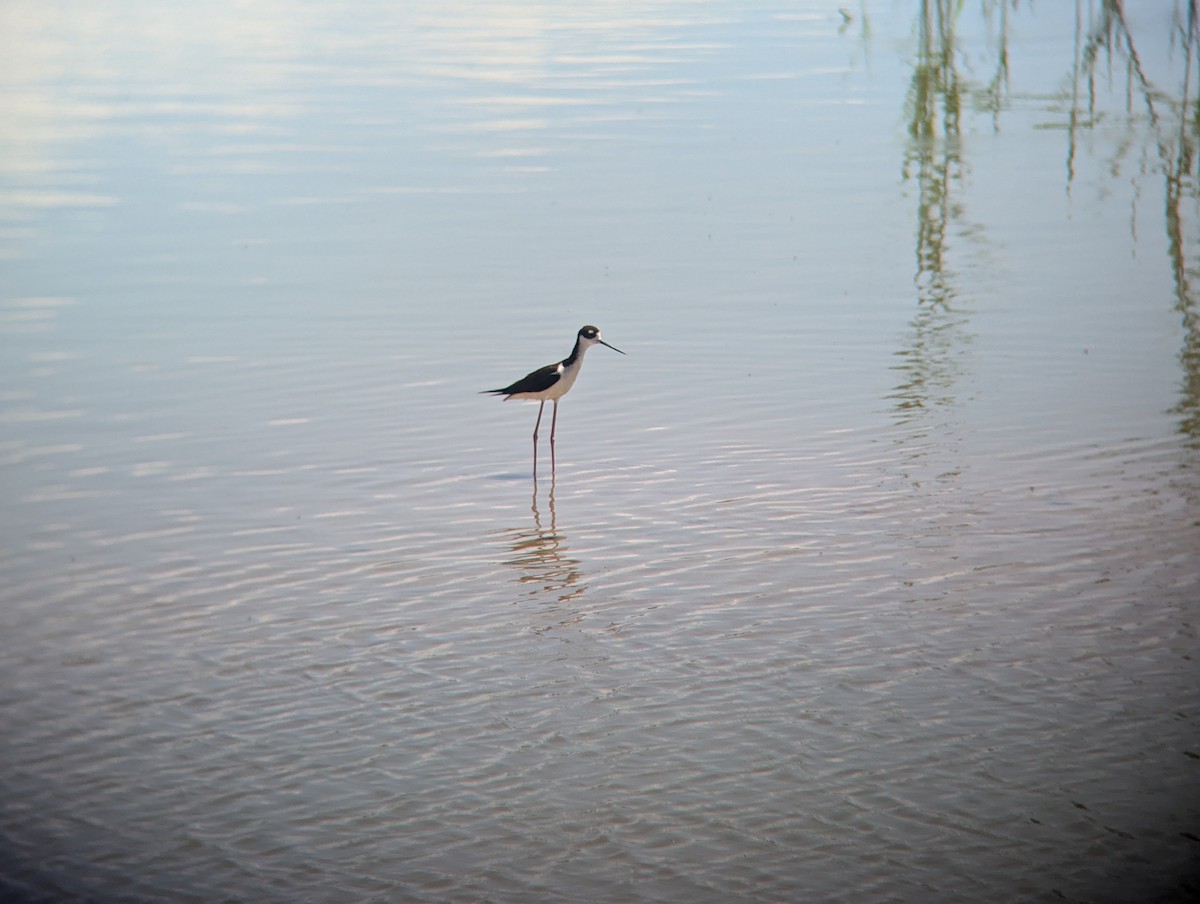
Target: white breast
(566,381)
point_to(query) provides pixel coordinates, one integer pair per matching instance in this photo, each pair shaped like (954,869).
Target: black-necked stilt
(552,382)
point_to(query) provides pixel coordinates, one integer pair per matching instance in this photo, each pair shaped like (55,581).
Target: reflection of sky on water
(685,157)
(893,437)
(398,106)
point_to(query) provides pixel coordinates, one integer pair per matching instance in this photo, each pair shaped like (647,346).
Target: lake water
(869,574)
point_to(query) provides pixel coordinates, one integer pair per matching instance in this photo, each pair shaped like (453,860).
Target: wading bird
(552,382)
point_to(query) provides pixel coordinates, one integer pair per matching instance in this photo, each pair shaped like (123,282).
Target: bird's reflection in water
(539,553)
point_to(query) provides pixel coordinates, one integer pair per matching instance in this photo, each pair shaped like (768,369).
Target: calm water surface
(870,574)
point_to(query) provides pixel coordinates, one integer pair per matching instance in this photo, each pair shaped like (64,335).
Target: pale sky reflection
(164,80)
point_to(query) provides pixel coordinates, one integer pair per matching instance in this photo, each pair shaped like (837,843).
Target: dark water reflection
(869,575)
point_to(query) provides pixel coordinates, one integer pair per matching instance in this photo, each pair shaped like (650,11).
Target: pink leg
(538,424)
(553,425)
(535,435)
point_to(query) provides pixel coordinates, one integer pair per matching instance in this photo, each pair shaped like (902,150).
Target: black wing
(538,381)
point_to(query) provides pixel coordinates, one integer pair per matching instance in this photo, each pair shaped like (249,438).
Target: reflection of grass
(1158,126)
(1172,121)
(934,105)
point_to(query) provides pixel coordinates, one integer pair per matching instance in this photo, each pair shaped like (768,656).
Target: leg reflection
(540,553)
